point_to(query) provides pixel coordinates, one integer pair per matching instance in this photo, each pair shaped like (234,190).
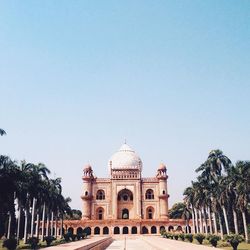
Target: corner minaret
(163,191)
(87,192)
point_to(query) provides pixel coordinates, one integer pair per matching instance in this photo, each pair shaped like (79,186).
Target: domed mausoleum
(124,203)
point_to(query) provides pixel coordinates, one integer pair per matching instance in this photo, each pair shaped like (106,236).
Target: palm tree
(232,180)
(213,166)
(2,132)
(199,201)
(9,176)
(27,171)
(189,199)
(243,191)
(56,199)
(222,196)
(28,184)
(64,208)
(211,171)
(23,196)
(39,174)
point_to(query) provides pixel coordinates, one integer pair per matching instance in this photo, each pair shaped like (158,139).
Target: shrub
(164,235)
(73,237)
(182,236)
(33,242)
(163,231)
(67,237)
(199,237)
(78,236)
(10,244)
(49,240)
(213,239)
(189,237)
(176,236)
(234,240)
(223,244)
(170,235)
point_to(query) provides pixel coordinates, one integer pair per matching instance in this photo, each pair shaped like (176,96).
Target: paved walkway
(152,243)
(77,244)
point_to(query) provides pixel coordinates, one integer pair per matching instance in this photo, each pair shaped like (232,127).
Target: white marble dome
(125,158)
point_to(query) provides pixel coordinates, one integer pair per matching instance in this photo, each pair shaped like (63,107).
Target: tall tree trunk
(62,225)
(196,221)
(25,225)
(205,219)
(47,225)
(209,220)
(18,222)
(221,228)
(215,223)
(56,227)
(37,225)
(9,226)
(43,219)
(52,223)
(245,225)
(193,223)
(225,217)
(201,222)
(32,217)
(235,222)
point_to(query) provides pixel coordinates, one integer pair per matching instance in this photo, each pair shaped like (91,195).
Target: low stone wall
(97,245)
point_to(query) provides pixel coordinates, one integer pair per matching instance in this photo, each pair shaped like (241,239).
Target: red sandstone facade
(125,203)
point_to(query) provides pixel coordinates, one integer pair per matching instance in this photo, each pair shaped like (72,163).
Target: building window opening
(86,193)
(100,195)
(100,214)
(150,214)
(149,194)
(163,192)
(125,214)
(125,197)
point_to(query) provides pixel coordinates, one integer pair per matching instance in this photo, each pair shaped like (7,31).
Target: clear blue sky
(77,77)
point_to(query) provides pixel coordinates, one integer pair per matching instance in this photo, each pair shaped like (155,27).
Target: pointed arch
(149,195)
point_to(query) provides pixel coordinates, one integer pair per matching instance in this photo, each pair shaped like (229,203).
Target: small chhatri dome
(87,167)
(125,158)
(162,166)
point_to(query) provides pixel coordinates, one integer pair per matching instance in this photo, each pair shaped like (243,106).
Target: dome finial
(125,141)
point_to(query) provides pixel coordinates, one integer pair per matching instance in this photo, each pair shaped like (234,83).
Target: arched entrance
(97,230)
(144,230)
(153,230)
(116,230)
(125,204)
(87,230)
(162,229)
(125,230)
(79,230)
(105,230)
(134,230)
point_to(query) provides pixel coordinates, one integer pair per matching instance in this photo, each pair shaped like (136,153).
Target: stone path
(82,244)
(153,243)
